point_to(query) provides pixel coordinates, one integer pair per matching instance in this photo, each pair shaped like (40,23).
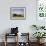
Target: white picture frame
(17,13)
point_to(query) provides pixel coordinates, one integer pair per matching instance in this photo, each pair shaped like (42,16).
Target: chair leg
(17,41)
(5,40)
(5,43)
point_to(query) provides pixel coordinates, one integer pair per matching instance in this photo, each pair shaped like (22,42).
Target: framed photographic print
(17,13)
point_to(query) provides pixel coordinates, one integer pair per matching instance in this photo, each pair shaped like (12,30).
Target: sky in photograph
(18,11)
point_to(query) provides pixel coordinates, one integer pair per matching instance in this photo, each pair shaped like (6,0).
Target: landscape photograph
(18,13)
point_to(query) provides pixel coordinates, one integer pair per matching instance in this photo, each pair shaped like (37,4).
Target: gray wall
(24,25)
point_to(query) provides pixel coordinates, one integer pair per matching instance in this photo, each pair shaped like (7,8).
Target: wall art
(17,13)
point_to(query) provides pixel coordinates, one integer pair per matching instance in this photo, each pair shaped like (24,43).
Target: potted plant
(42,27)
(39,35)
(35,26)
(38,27)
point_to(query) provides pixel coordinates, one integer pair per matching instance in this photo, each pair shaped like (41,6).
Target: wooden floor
(13,44)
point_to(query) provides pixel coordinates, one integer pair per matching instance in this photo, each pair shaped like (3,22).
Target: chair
(26,37)
(14,32)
